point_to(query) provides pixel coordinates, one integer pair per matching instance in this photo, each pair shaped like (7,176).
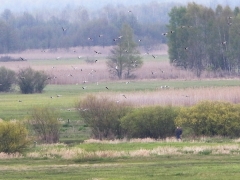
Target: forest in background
(71,27)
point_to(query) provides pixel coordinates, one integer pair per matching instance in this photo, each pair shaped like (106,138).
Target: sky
(31,5)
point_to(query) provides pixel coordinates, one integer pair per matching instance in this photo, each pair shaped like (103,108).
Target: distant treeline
(205,39)
(80,27)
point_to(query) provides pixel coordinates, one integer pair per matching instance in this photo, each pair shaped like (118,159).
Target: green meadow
(79,157)
(137,160)
(15,105)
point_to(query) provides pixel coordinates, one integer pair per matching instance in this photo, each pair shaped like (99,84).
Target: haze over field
(29,5)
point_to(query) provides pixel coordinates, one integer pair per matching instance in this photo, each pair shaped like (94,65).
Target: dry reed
(95,72)
(177,97)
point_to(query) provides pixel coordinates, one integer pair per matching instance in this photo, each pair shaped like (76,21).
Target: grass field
(126,160)
(134,159)
(136,91)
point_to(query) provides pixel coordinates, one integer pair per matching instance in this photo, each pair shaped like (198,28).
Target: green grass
(185,167)
(11,108)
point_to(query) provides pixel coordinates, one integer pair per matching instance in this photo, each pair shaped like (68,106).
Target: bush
(153,122)
(13,137)
(103,116)
(211,118)
(31,81)
(45,124)
(7,78)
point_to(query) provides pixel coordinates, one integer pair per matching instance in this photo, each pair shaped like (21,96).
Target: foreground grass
(165,167)
(185,165)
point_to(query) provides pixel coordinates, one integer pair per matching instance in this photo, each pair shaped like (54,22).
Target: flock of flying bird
(64,30)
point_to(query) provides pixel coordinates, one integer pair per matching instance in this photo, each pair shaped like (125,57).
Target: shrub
(7,78)
(153,122)
(13,137)
(211,118)
(103,116)
(31,81)
(45,124)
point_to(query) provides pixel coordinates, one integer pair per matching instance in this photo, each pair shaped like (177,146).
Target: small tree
(13,137)
(45,124)
(124,58)
(103,116)
(153,122)
(31,81)
(7,78)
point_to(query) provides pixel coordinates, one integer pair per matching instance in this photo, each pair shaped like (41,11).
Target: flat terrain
(157,83)
(126,160)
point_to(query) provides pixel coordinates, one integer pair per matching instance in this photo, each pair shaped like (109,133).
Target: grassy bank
(135,160)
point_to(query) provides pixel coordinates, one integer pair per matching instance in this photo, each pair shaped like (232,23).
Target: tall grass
(157,148)
(178,97)
(69,69)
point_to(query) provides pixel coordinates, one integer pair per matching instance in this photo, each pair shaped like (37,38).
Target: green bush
(13,137)
(211,118)
(153,122)
(7,78)
(45,124)
(31,81)
(103,116)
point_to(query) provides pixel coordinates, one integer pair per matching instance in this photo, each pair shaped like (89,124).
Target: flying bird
(22,59)
(224,42)
(124,96)
(107,88)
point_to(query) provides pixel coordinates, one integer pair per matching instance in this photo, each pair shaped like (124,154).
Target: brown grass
(53,151)
(96,72)
(177,97)
(92,72)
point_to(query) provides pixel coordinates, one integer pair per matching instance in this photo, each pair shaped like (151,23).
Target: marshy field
(77,156)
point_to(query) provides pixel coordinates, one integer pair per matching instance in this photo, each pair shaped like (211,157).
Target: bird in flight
(64,29)
(107,88)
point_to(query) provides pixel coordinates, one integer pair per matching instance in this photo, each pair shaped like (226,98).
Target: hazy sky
(31,5)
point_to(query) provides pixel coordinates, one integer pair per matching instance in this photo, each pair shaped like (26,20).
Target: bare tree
(45,124)
(124,58)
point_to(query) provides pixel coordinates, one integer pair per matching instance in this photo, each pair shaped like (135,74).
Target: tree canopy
(200,38)
(71,27)
(124,58)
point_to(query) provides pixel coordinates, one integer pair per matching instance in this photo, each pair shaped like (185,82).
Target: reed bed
(70,69)
(177,97)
